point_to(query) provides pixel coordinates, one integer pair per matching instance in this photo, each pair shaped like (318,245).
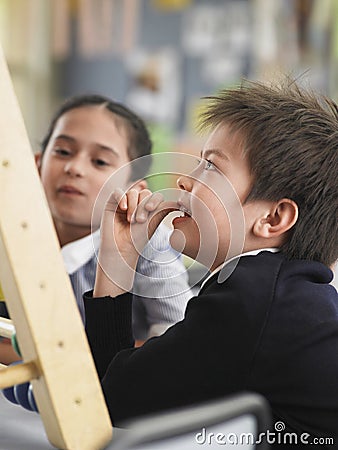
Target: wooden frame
(40,299)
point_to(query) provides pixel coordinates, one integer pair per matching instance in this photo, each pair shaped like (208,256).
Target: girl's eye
(100,163)
(62,151)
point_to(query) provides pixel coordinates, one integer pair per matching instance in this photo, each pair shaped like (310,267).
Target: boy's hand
(128,222)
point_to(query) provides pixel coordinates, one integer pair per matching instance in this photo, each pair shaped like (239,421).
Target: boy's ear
(38,159)
(280,217)
(139,185)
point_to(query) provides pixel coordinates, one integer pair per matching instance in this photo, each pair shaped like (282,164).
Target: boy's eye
(208,165)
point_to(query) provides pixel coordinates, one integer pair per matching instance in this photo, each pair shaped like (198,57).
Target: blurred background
(161,56)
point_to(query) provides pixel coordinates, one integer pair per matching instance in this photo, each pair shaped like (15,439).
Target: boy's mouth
(185,214)
(185,211)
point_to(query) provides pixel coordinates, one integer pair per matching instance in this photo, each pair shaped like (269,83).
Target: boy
(268,171)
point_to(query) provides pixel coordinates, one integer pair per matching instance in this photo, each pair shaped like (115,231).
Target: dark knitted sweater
(271,328)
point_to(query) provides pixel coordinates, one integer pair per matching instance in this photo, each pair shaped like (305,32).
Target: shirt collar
(252,253)
(79,252)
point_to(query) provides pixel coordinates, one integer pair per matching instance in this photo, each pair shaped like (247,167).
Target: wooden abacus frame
(39,297)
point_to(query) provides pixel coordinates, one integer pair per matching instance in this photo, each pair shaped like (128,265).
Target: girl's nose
(74,168)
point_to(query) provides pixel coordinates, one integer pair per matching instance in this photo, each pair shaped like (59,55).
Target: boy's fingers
(116,199)
(132,200)
(141,206)
(154,201)
(122,199)
(141,214)
(164,208)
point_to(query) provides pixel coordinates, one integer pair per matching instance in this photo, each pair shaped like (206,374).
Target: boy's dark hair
(137,133)
(291,139)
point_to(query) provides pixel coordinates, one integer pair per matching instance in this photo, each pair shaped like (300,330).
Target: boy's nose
(74,169)
(185,182)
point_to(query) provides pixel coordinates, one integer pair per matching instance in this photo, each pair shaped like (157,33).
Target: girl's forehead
(88,111)
(87,117)
(91,127)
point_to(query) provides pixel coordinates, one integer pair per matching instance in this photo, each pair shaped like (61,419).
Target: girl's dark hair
(291,138)
(137,133)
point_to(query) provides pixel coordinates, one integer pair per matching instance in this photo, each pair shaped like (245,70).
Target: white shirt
(77,253)
(161,290)
(335,276)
